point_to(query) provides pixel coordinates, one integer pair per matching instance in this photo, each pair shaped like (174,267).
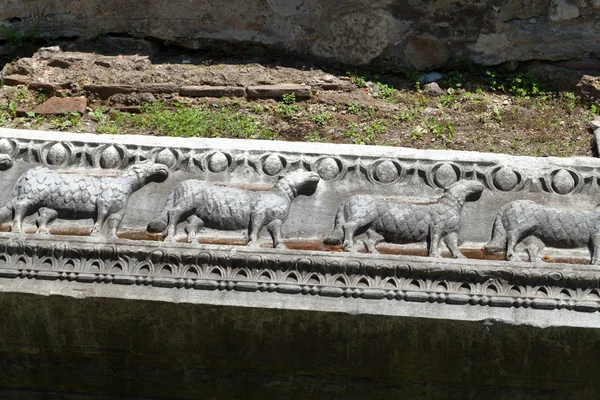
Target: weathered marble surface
(390,33)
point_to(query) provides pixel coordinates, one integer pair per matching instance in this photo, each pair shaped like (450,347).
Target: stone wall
(384,33)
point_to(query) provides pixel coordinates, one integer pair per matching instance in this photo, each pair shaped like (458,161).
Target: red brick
(61,105)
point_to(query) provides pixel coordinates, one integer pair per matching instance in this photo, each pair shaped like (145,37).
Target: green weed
(322,118)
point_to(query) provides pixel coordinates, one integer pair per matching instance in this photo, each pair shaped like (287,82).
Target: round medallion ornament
(166,157)
(218,162)
(445,176)
(110,158)
(506,179)
(273,165)
(386,172)
(328,168)
(563,182)
(58,154)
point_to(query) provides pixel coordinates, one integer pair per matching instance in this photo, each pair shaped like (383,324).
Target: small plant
(521,84)
(22,94)
(41,97)
(377,127)
(404,116)
(386,92)
(357,79)
(107,127)
(322,118)
(571,100)
(66,121)
(418,132)
(442,129)
(12,106)
(454,78)
(313,137)
(593,111)
(97,114)
(354,108)
(497,114)
(371,111)
(289,98)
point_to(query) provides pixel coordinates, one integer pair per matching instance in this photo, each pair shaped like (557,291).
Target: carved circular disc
(166,157)
(563,182)
(273,165)
(386,172)
(110,158)
(328,169)
(58,154)
(6,147)
(445,176)
(218,162)
(506,179)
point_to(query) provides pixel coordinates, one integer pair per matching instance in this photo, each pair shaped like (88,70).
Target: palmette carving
(374,277)
(404,223)
(537,226)
(74,196)
(223,208)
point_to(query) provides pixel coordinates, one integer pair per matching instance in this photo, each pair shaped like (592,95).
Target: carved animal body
(224,208)
(536,226)
(404,223)
(75,196)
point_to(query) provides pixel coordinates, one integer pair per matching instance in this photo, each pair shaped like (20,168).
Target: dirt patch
(484,111)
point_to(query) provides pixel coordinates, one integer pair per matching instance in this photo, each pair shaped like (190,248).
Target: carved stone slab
(334,174)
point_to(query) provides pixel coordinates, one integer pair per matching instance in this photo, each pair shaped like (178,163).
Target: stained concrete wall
(386,33)
(66,343)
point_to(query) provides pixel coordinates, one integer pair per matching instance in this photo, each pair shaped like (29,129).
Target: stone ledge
(376,278)
(212,91)
(277,91)
(105,91)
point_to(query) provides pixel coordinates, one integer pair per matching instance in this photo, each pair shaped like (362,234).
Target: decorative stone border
(379,277)
(377,165)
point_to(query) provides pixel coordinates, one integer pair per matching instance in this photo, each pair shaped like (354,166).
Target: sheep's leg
(533,246)
(100,219)
(256,224)
(434,242)
(194,224)
(47,216)
(373,239)
(451,240)
(274,229)
(595,249)
(113,222)
(174,217)
(20,210)
(511,243)
(349,229)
